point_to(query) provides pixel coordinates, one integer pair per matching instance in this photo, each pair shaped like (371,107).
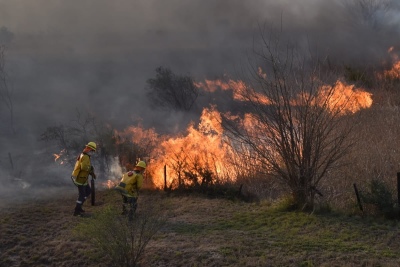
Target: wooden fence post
(358,198)
(165,178)
(398,192)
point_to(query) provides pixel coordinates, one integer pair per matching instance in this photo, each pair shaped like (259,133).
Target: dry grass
(201,232)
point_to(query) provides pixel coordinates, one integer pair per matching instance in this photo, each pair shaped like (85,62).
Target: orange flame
(56,157)
(347,98)
(206,146)
(139,135)
(394,72)
(203,146)
(239,88)
(109,184)
(59,156)
(145,138)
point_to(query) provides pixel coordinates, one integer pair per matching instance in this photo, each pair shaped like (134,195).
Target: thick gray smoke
(96,55)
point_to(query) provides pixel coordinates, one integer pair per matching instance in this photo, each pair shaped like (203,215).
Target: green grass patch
(301,233)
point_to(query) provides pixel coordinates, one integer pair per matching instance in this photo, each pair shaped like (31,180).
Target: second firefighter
(129,187)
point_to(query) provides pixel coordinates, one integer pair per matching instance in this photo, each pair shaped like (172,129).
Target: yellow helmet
(141,164)
(92,145)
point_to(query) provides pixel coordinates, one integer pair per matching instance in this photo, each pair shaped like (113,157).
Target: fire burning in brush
(109,184)
(205,147)
(347,98)
(204,154)
(202,149)
(394,72)
(239,89)
(114,174)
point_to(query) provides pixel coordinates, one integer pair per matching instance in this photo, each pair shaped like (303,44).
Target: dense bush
(380,198)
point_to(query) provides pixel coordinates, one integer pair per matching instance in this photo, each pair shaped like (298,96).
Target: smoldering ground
(64,57)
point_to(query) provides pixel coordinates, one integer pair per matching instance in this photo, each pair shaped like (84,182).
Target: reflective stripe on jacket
(82,169)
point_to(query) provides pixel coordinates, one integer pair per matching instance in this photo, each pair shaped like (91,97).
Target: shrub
(285,203)
(122,240)
(380,198)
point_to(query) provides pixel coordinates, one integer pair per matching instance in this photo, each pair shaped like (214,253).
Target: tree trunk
(303,199)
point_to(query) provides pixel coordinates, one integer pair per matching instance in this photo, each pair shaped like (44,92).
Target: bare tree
(6,36)
(367,12)
(5,90)
(69,139)
(172,91)
(296,128)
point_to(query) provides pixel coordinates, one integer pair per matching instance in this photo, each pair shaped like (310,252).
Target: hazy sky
(69,54)
(97,54)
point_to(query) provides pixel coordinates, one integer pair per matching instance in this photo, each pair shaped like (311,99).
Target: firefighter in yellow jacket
(129,187)
(83,168)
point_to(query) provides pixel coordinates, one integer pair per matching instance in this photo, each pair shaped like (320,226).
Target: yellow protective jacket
(130,184)
(82,169)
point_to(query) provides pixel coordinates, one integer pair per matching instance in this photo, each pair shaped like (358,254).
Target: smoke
(94,56)
(116,170)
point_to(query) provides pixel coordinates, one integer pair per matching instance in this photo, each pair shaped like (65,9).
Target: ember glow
(58,157)
(114,175)
(109,184)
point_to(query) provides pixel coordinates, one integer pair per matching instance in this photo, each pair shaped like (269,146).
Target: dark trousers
(131,203)
(83,193)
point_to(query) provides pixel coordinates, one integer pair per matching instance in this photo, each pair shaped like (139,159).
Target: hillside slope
(200,232)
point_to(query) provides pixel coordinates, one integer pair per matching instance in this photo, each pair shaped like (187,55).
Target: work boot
(78,210)
(81,210)
(77,213)
(124,211)
(130,216)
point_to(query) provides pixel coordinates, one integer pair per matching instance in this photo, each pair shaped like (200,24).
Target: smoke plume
(63,58)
